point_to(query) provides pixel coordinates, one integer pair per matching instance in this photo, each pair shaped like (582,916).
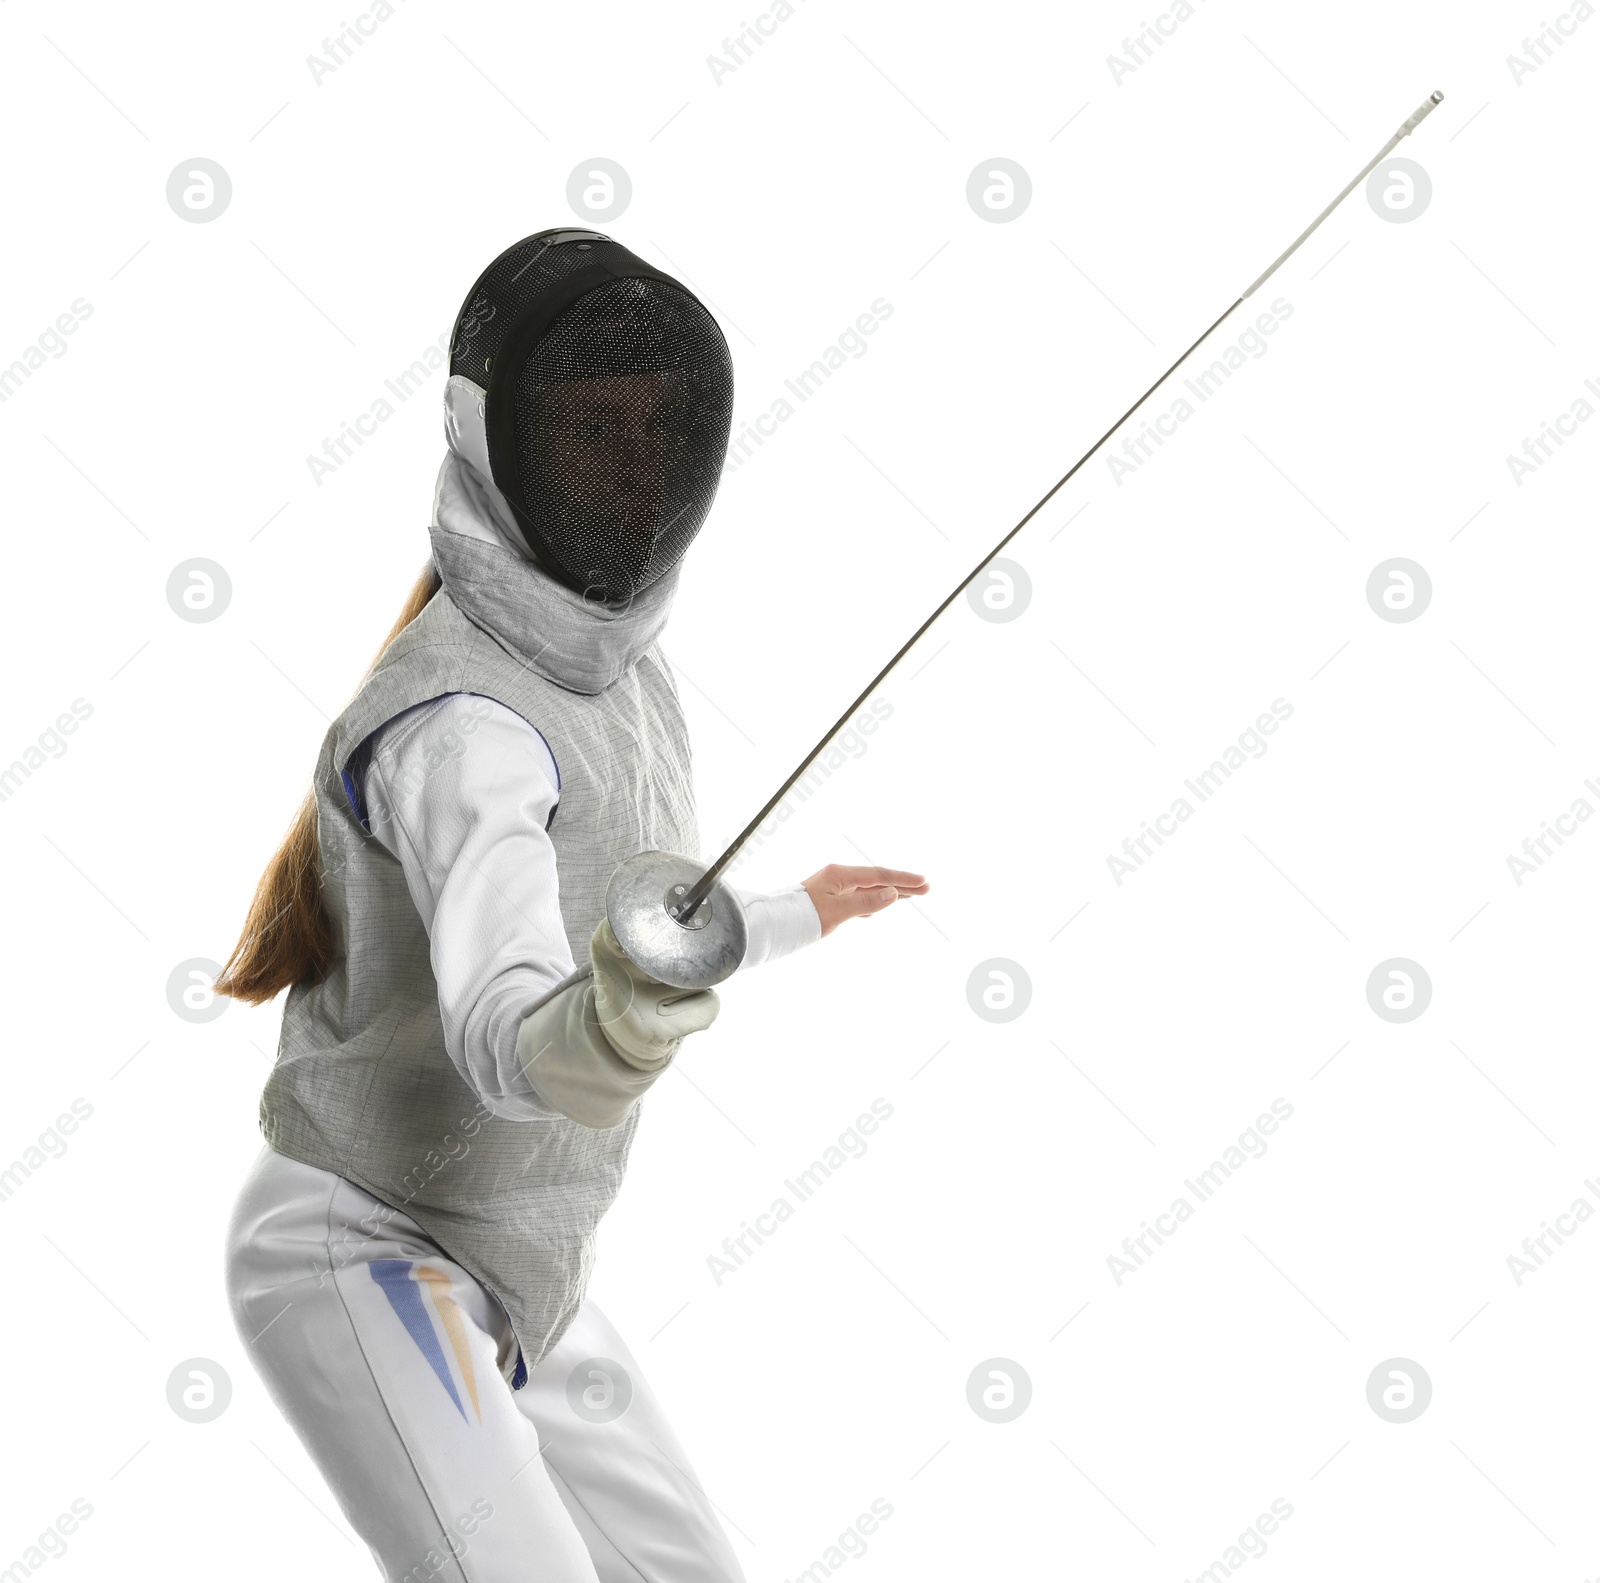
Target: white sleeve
(461,790)
(780,924)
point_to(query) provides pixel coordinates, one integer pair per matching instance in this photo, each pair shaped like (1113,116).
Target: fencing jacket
(370,1083)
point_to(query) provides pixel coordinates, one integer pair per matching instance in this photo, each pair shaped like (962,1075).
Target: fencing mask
(606,394)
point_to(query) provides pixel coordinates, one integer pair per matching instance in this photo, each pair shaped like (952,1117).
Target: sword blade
(701,887)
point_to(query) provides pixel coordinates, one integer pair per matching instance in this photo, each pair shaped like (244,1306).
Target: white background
(1167,1012)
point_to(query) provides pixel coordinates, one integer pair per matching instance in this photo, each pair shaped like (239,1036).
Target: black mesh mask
(608,399)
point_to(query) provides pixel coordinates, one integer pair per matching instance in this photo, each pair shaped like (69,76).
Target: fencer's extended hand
(840,891)
(642,1017)
(595,1044)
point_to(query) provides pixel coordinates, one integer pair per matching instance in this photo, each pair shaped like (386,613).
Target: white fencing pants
(386,1358)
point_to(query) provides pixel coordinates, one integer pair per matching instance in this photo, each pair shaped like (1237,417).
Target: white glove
(592,1047)
(642,1017)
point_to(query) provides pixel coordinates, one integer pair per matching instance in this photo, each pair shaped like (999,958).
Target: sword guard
(693,953)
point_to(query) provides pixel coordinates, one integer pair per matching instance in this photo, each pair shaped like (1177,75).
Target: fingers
(841,878)
(864,901)
(898,877)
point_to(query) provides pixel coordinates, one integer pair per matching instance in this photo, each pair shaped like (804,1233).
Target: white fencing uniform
(389,1359)
(452,1452)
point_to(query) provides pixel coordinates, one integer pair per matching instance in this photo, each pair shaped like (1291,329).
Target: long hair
(287,938)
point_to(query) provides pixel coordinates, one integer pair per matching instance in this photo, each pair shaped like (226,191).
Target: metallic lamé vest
(363,1084)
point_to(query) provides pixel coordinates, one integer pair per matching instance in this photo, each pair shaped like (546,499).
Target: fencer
(452,1105)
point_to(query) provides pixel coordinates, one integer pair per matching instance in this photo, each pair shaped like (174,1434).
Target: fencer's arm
(461,791)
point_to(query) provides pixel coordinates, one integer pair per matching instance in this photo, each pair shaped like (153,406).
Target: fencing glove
(593,1046)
